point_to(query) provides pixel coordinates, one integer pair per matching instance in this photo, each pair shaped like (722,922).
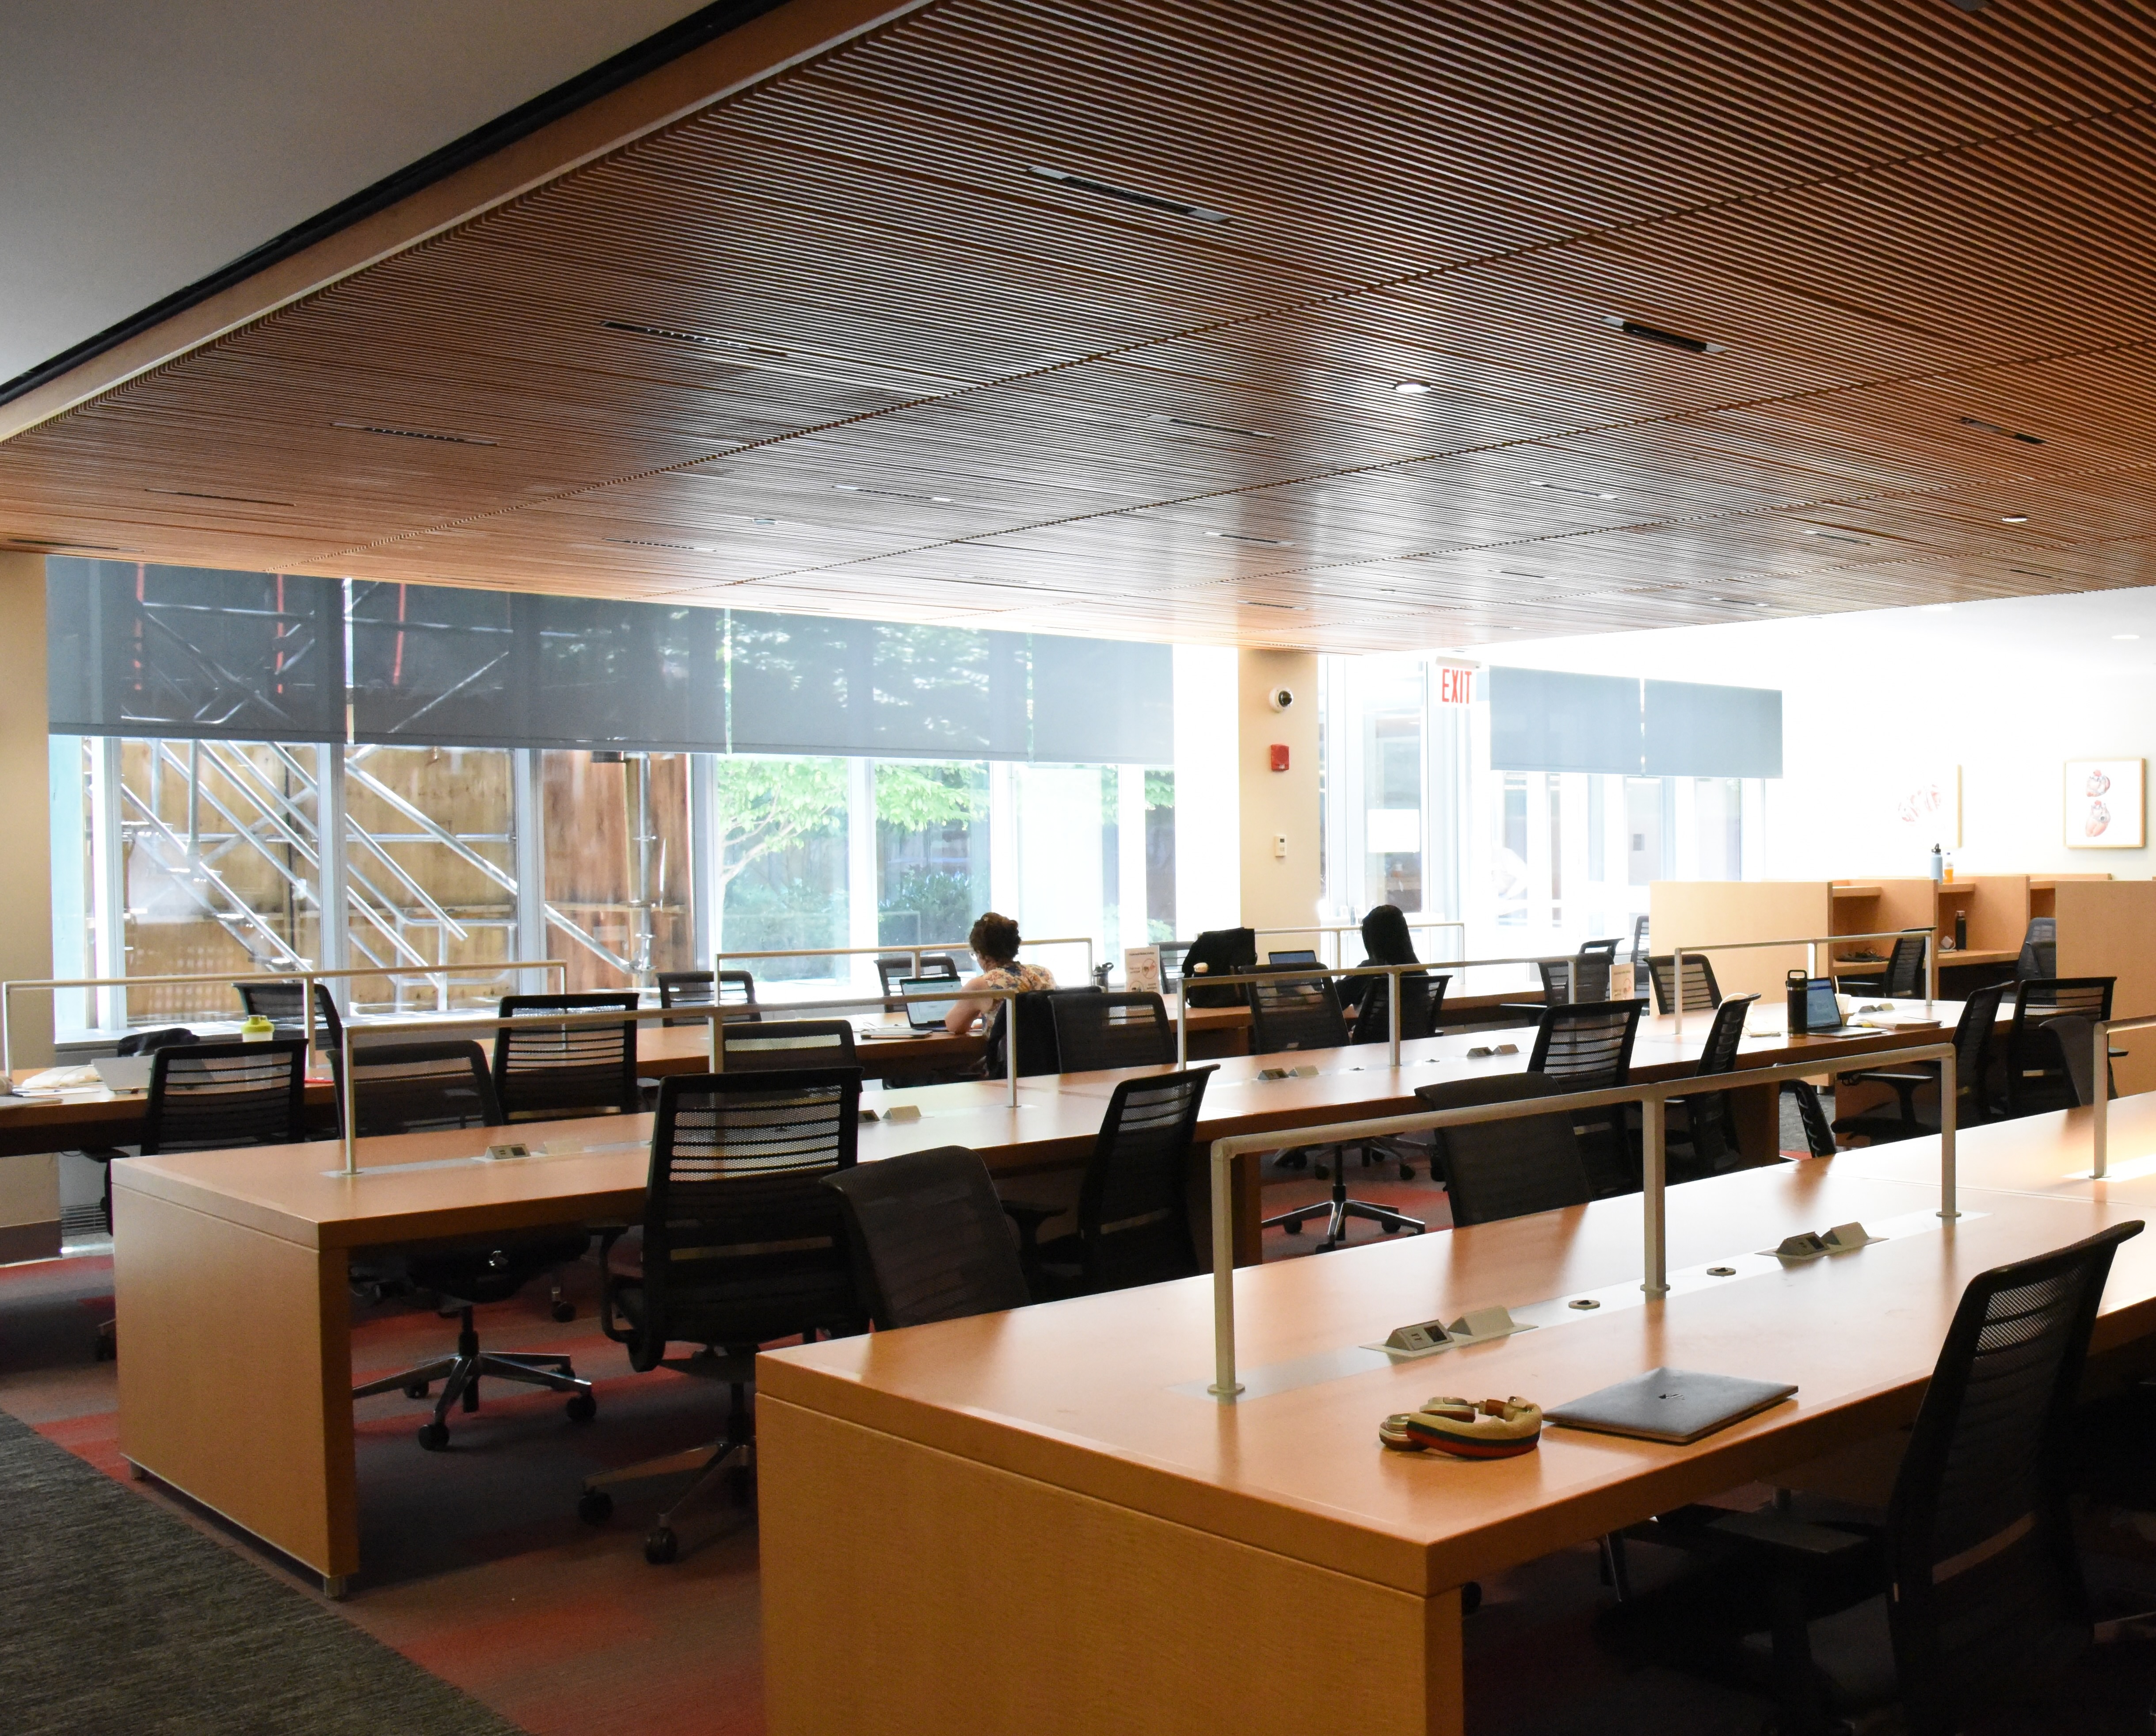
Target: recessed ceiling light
(2014,518)
(1656,334)
(1252,603)
(1742,602)
(1566,487)
(1836,536)
(1414,388)
(763,521)
(1236,537)
(1128,195)
(417,434)
(688,548)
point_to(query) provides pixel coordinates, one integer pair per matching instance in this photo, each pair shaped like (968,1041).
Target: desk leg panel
(235,1374)
(909,1592)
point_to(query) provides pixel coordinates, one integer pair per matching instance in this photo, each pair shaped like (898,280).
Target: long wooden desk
(1038,1520)
(230,1267)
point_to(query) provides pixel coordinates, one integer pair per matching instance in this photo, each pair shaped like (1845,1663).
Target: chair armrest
(1029,1215)
(608,1290)
(1794,1542)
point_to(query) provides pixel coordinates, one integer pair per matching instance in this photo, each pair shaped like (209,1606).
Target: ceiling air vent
(1656,334)
(1128,195)
(1979,423)
(687,548)
(417,434)
(193,494)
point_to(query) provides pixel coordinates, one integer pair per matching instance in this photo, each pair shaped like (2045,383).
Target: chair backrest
(1422,996)
(1972,1032)
(1701,993)
(890,966)
(1037,1049)
(1097,1031)
(1223,952)
(1590,1045)
(1508,1168)
(1133,1214)
(1905,968)
(2034,1082)
(419,1087)
(2074,1039)
(929,1238)
(2040,949)
(789,1045)
(1986,1578)
(1725,1035)
(695,989)
(1297,1014)
(541,1072)
(742,1243)
(1556,981)
(1590,970)
(205,1096)
(284,1005)
(1811,1115)
(1638,940)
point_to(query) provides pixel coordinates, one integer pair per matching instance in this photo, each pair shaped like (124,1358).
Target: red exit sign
(1456,686)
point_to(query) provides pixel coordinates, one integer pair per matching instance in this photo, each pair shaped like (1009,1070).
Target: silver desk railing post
(1676,987)
(2099,1110)
(1393,983)
(1949,1098)
(1653,1154)
(1225,1385)
(1183,1024)
(347,1109)
(1010,1048)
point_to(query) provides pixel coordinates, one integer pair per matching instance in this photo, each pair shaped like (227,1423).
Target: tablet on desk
(1678,1405)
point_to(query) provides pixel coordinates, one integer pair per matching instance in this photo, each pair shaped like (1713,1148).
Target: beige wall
(1278,892)
(26,866)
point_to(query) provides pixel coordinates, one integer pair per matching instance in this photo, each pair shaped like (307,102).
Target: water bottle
(1938,866)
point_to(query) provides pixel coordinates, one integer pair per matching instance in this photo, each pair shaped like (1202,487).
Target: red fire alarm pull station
(1280,756)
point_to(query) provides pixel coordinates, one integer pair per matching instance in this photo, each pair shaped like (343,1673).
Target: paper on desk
(61,1079)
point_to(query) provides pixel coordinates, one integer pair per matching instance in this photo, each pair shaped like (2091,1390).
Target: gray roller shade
(1098,701)
(1542,721)
(1701,732)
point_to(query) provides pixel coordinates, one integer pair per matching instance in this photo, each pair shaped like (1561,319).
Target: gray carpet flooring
(117,1617)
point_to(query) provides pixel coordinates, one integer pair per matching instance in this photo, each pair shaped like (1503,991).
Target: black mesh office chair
(424,1087)
(1701,993)
(1903,978)
(930,1240)
(1133,1212)
(2035,1084)
(2074,1038)
(1302,1014)
(787,1046)
(1980,1596)
(1638,940)
(2039,950)
(1590,969)
(284,1005)
(1037,1049)
(549,1072)
(892,966)
(1589,1045)
(1095,1032)
(1422,1001)
(1972,1039)
(1700,1138)
(1508,1169)
(741,1244)
(1811,1116)
(735,989)
(206,1097)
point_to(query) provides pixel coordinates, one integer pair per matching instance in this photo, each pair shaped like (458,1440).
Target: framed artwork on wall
(2104,808)
(1924,801)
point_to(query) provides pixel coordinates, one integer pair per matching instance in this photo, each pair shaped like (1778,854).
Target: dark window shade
(186,651)
(1094,700)
(1542,721)
(1701,732)
(258,656)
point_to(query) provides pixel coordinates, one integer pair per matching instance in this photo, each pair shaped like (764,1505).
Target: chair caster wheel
(661,1547)
(582,1407)
(108,1350)
(1293,1226)
(595,1507)
(1407,1172)
(433,1436)
(564,1311)
(1390,1228)
(415,1390)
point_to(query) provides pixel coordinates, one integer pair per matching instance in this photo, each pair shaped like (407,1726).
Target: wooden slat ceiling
(918,382)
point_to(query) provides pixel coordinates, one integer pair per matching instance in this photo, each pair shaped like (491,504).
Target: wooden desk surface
(2043,1155)
(1083,1395)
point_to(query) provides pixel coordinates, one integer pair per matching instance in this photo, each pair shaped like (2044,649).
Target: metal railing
(1655,1206)
(1337,929)
(2100,1126)
(911,949)
(713,1015)
(307,978)
(1812,943)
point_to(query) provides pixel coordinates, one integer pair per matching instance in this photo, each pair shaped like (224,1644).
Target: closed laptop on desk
(1678,1405)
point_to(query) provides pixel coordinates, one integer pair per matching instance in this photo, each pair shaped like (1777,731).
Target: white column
(861,871)
(1130,861)
(529,821)
(335,946)
(1208,866)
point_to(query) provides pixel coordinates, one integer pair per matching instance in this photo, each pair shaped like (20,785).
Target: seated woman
(1384,942)
(995,944)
